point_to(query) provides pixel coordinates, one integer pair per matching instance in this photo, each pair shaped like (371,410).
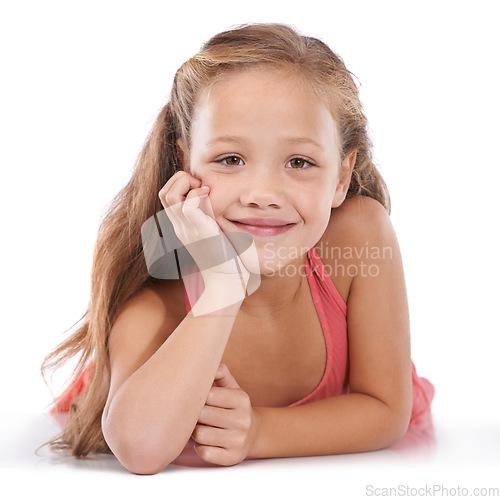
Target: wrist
(221,297)
(254,450)
(227,274)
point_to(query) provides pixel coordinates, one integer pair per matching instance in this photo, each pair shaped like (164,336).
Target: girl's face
(269,151)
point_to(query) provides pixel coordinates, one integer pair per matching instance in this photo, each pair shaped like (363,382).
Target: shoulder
(153,303)
(359,234)
(359,212)
(358,221)
(143,324)
(150,312)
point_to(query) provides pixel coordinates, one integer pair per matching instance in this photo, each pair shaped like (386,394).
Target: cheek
(218,183)
(206,176)
(220,192)
(321,215)
(318,207)
(215,204)
(317,198)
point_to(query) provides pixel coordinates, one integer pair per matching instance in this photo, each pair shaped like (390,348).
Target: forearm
(153,413)
(348,423)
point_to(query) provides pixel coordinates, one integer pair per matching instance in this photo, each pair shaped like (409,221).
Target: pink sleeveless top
(332,314)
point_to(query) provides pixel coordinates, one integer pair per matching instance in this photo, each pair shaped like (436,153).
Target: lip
(264,226)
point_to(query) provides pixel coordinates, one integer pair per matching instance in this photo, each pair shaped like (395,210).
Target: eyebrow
(287,139)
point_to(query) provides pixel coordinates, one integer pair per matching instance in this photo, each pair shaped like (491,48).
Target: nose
(262,189)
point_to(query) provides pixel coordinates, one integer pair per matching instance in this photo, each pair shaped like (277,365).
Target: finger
(177,187)
(210,436)
(180,188)
(223,378)
(206,206)
(191,205)
(223,397)
(173,200)
(167,186)
(174,213)
(215,455)
(202,219)
(215,417)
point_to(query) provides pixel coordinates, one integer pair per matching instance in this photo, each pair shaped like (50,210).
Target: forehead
(263,103)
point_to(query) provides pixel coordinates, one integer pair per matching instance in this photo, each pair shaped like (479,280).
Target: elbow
(398,431)
(398,417)
(139,456)
(141,459)
(142,462)
(399,423)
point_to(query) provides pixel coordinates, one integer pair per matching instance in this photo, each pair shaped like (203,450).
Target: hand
(187,206)
(228,425)
(190,212)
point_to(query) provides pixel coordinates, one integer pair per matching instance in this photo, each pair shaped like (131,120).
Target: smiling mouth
(264,228)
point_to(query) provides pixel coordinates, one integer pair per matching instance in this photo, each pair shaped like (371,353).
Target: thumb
(223,378)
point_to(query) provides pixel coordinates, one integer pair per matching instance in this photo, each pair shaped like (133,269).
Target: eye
(299,163)
(232,161)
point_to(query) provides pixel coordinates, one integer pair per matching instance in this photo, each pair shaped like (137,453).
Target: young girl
(294,343)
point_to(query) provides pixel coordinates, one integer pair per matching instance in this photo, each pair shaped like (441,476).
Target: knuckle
(203,413)
(244,398)
(205,453)
(178,174)
(239,440)
(203,432)
(197,434)
(248,422)
(244,423)
(164,199)
(188,207)
(201,451)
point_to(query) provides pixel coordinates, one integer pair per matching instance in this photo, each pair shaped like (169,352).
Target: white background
(83,82)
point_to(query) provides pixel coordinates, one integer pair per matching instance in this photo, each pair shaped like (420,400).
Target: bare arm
(162,371)
(154,404)
(350,423)
(376,412)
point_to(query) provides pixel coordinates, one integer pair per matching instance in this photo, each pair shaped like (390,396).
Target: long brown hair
(119,268)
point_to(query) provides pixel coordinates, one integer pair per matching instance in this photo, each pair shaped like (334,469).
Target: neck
(276,292)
